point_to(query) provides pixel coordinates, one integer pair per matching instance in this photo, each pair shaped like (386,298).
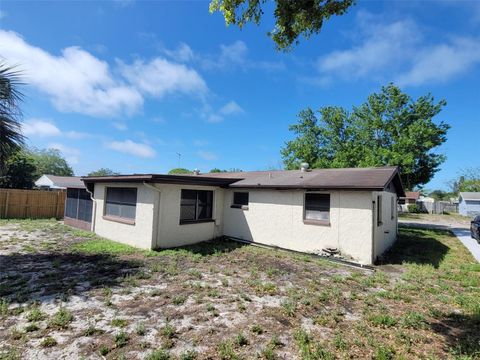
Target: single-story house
(411,197)
(54,182)
(78,205)
(469,203)
(352,210)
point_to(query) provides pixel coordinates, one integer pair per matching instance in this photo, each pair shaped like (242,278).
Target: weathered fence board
(31,204)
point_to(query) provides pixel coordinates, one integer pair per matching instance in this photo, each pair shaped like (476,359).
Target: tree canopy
(390,128)
(292,18)
(103,172)
(180,171)
(11,138)
(468,181)
(50,161)
(19,171)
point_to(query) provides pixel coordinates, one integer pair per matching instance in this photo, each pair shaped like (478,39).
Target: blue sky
(128,85)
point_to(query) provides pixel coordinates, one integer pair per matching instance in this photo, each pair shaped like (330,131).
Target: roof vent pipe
(304,167)
(196,172)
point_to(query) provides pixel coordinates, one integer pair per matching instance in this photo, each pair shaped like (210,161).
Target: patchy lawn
(66,294)
(450,219)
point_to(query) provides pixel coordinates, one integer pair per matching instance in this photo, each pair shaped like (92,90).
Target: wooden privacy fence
(31,204)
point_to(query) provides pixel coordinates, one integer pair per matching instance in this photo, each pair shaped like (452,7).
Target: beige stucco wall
(141,233)
(275,217)
(170,233)
(385,233)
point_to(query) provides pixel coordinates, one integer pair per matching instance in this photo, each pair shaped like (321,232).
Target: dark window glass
(379,210)
(317,206)
(240,198)
(196,205)
(121,202)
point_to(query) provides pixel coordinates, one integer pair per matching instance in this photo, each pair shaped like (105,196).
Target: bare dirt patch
(223,300)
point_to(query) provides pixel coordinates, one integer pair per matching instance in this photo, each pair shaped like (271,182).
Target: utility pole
(179,159)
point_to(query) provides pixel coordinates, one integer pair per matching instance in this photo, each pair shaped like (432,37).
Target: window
(317,207)
(78,205)
(240,200)
(196,206)
(392,207)
(379,210)
(121,202)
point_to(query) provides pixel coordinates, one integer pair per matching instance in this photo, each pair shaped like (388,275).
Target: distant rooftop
(470,195)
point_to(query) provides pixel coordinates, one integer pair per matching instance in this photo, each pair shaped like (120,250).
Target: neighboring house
(410,197)
(352,210)
(469,203)
(54,182)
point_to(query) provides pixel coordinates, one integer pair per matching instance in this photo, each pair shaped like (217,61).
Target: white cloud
(76,80)
(231,108)
(120,125)
(382,46)
(442,62)
(40,128)
(397,52)
(71,154)
(200,142)
(183,53)
(160,77)
(207,155)
(132,148)
(235,56)
(46,128)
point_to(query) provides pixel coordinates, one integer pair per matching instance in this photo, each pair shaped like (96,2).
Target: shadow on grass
(213,247)
(461,333)
(417,246)
(42,277)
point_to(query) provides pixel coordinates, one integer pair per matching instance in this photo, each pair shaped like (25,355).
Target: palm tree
(11,137)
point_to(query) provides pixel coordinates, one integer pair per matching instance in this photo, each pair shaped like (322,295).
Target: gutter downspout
(94,215)
(373,229)
(155,213)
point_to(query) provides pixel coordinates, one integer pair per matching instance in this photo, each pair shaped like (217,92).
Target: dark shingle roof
(349,178)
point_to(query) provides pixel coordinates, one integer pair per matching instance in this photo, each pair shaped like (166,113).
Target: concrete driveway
(460,230)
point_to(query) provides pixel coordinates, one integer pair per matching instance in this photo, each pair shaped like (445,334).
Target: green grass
(104,246)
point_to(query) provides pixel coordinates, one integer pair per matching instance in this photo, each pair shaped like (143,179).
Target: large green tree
(11,138)
(20,171)
(103,172)
(50,161)
(292,18)
(390,128)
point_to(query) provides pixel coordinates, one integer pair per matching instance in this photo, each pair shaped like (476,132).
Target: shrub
(414,208)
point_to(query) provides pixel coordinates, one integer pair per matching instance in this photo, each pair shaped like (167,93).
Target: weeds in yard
(103,350)
(226,351)
(241,339)
(61,319)
(289,307)
(3,307)
(92,330)
(48,342)
(257,329)
(159,354)
(188,355)
(35,315)
(140,329)
(309,349)
(168,331)
(179,299)
(121,323)
(121,339)
(31,327)
(413,320)
(382,320)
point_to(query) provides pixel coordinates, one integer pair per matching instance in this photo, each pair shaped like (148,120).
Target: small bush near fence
(414,208)
(31,204)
